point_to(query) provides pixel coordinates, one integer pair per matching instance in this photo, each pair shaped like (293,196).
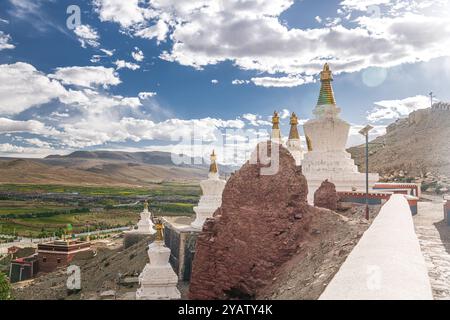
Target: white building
(145,224)
(326,137)
(158,281)
(211,199)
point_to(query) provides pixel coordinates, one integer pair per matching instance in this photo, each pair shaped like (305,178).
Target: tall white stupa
(294,144)
(158,281)
(211,199)
(326,137)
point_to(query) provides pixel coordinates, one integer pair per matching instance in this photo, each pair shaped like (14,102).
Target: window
(58,260)
(44,259)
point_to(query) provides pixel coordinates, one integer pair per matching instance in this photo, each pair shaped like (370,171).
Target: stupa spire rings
(326,96)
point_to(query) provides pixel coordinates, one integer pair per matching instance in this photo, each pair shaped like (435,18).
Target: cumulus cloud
(121,64)
(215,81)
(137,54)
(239,82)
(87,76)
(355,138)
(394,109)
(29,126)
(5,41)
(22,86)
(87,36)
(256,120)
(146,95)
(281,82)
(252,35)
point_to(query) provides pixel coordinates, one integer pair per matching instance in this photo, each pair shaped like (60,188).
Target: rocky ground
(414,149)
(434,238)
(306,276)
(109,270)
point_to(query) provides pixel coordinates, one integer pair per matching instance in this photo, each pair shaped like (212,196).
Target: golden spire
(326,96)
(159,226)
(213,167)
(275,120)
(293,134)
(146,205)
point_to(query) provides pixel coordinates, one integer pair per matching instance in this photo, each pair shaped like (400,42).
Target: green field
(153,190)
(38,218)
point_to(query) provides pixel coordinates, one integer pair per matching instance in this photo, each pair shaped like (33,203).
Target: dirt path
(434,238)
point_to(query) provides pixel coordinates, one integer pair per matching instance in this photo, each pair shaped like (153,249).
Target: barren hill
(416,148)
(101,168)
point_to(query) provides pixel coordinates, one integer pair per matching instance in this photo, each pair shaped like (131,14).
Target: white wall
(387,263)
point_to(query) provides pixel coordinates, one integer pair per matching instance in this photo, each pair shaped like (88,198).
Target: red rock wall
(261,224)
(326,196)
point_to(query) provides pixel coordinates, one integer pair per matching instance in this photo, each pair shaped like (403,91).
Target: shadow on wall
(444,231)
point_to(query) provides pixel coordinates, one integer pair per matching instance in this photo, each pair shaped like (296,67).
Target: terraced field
(43,210)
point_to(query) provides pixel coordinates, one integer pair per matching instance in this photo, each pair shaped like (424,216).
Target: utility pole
(432,96)
(365,133)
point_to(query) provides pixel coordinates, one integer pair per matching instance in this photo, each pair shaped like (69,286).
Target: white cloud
(87,76)
(252,35)
(318,19)
(22,86)
(39,143)
(281,82)
(137,54)
(284,114)
(394,109)
(125,13)
(121,64)
(109,53)
(239,82)
(4,41)
(146,95)
(87,36)
(9,148)
(158,31)
(215,81)
(256,120)
(355,138)
(29,126)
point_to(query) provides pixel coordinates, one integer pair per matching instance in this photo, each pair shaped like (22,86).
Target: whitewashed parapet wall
(387,263)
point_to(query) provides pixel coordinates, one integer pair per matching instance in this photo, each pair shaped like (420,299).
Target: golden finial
(293,134)
(294,119)
(326,74)
(146,205)
(159,226)
(213,167)
(276,120)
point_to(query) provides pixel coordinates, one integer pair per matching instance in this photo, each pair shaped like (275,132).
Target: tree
(5,288)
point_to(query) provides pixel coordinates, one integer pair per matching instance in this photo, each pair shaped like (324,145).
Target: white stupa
(158,281)
(294,144)
(145,224)
(212,195)
(326,137)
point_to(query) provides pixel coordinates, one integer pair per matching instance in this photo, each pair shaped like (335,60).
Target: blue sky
(213,67)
